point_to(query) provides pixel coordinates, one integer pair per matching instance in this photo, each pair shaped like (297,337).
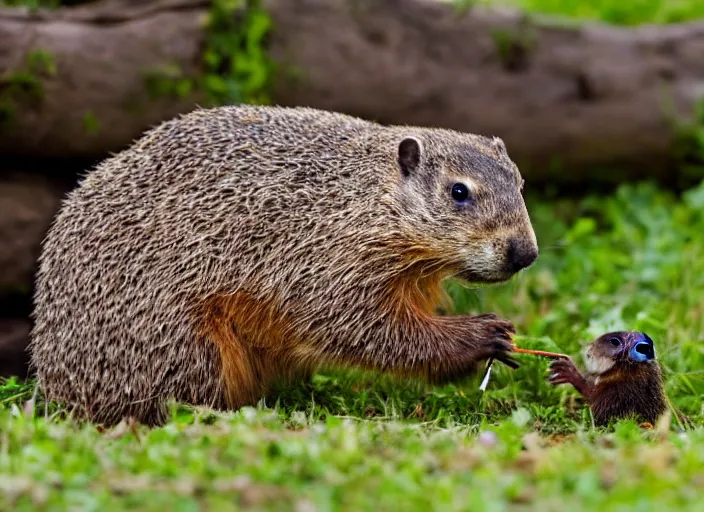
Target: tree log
(98,99)
(28,204)
(558,92)
(14,338)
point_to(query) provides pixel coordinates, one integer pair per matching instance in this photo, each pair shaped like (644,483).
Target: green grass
(355,441)
(627,12)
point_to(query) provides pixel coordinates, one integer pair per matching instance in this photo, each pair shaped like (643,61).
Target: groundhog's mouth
(473,277)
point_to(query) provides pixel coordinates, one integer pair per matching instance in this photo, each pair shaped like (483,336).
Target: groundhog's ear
(409,151)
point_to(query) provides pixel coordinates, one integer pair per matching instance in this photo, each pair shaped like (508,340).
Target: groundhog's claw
(501,354)
(508,361)
(564,371)
(500,322)
(497,339)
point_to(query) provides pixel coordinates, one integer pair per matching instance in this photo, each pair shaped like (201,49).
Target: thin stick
(485,380)
(541,353)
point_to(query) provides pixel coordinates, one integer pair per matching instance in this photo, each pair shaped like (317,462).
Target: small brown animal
(235,247)
(623,378)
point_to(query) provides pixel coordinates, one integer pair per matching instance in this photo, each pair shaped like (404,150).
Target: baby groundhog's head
(618,349)
(462,195)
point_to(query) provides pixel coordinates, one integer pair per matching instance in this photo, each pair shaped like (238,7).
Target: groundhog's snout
(522,252)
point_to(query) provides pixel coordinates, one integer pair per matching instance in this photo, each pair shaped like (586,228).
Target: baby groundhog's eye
(460,192)
(615,342)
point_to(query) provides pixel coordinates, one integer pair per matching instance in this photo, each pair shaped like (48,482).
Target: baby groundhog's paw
(494,338)
(563,371)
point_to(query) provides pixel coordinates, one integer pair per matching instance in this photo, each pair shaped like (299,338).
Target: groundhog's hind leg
(238,369)
(241,367)
(151,412)
(106,406)
(249,373)
(248,369)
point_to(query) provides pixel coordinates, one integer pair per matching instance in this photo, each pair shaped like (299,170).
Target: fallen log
(558,92)
(93,97)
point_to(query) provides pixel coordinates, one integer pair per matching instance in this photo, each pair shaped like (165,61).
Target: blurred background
(599,103)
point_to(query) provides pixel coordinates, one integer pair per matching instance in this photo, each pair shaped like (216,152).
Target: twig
(555,355)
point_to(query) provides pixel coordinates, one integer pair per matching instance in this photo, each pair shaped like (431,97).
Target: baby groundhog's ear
(409,153)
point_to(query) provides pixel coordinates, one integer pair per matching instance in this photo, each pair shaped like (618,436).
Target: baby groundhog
(623,378)
(235,247)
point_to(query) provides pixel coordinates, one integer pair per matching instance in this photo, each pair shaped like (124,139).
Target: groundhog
(623,378)
(233,248)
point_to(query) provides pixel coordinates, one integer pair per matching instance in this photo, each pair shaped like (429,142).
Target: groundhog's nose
(522,252)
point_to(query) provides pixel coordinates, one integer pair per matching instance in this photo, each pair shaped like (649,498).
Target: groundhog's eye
(460,192)
(615,342)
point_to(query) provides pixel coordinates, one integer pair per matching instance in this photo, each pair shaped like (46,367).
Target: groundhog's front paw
(469,341)
(493,336)
(564,371)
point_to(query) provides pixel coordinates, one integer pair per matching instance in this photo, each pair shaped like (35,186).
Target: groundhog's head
(462,195)
(614,349)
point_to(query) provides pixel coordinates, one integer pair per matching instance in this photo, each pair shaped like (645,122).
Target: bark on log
(14,338)
(103,54)
(28,203)
(581,95)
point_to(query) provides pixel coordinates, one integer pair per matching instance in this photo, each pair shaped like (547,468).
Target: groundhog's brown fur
(236,246)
